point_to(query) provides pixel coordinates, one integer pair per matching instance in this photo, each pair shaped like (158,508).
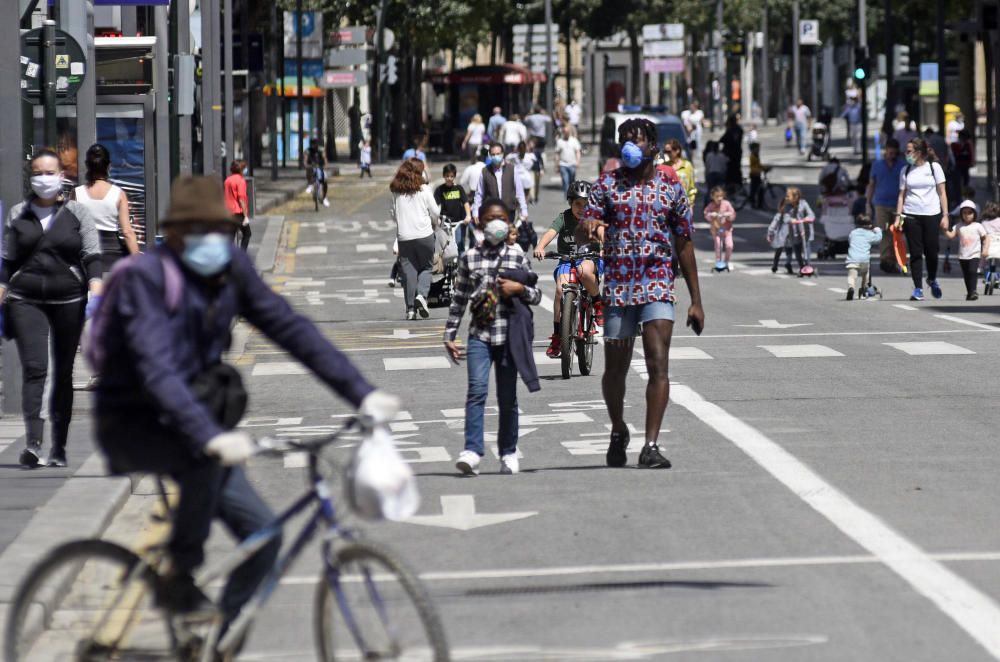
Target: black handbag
(220,388)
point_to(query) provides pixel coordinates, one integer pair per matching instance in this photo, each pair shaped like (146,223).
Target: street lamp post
(298,80)
(863,43)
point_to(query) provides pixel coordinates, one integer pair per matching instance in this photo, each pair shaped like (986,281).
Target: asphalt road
(833,496)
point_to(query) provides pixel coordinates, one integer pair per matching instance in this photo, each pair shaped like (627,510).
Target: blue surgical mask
(496,161)
(207,254)
(632,155)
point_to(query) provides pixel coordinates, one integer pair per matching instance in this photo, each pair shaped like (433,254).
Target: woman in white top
(108,204)
(524,162)
(922,210)
(416,214)
(474,136)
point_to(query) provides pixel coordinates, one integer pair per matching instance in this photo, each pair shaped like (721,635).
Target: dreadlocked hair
(635,127)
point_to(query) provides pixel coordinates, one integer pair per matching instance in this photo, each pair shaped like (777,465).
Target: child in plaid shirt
(480,285)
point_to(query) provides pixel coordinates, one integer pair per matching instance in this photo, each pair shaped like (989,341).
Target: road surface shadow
(499,591)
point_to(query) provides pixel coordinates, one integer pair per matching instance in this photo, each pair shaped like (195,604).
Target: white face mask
(495,232)
(46,187)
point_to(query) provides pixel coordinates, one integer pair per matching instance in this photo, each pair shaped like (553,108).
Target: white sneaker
(421,305)
(309,189)
(468,463)
(509,464)
(326,203)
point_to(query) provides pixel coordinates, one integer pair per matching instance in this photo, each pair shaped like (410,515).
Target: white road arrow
(772,324)
(458,511)
(405,334)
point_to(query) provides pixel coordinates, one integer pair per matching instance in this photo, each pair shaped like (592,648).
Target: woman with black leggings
(51,259)
(922,210)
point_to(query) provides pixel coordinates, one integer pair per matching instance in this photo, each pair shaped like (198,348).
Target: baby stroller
(445,262)
(835,216)
(820,147)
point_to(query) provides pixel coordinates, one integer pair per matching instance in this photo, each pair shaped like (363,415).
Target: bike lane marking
(967,606)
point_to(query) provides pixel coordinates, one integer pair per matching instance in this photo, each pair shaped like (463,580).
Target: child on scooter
(720,215)
(566,227)
(859,254)
(793,222)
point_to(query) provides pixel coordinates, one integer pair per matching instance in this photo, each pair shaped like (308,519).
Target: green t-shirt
(570,233)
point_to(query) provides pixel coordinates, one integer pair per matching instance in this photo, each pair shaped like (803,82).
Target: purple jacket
(153,354)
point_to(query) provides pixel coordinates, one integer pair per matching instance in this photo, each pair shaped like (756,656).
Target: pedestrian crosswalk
(11,429)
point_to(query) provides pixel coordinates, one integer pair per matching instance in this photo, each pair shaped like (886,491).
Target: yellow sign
(62,61)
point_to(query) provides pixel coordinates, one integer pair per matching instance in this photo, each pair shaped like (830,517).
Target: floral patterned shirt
(642,219)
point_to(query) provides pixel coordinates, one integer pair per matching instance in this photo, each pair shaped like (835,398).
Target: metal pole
(49,82)
(942,60)
(720,67)
(161,77)
(378,110)
(249,141)
(593,93)
(227,81)
(298,81)
(765,69)
(209,84)
(890,71)
(273,105)
(548,65)
(863,100)
(796,78)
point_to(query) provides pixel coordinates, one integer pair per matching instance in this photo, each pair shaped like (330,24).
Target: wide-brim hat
(197,200)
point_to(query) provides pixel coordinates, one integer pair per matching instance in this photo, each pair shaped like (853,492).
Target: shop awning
(501,74)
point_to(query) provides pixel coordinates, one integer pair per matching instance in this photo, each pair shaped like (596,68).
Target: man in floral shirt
(646,217)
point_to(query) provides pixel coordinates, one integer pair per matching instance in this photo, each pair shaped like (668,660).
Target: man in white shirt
(693,118)
(471,176)
(514,133)
(803,120)
(573,113)
(568,151)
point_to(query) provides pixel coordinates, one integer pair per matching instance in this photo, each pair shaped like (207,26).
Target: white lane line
(824,333)
(547,303)
(689,353)
(312,250)
(904,306)
(959,320)
(971,609)
(680,566)
(278,368)
(838,290)
(935,348)
(418,363)
(371,248)
(808,283)
(800,351)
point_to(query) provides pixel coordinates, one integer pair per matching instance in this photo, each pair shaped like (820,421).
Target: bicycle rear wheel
(567,329)
(369,606)
(585,345)
(773,195)
(88,600)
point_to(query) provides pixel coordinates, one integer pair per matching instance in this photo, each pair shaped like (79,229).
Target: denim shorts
(563,269)
(622,322)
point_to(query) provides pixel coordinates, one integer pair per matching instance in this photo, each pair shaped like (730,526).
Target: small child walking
(973,241)
(720,215)
(365,159)
(859,254)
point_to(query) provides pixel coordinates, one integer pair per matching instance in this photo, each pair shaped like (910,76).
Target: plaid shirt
(477,270)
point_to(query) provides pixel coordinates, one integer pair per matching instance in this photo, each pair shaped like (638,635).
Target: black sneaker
(31,456)
(178,594)
(850,294)
(57,458)
(616,456)
(788,269)
(651,458)
(972,297)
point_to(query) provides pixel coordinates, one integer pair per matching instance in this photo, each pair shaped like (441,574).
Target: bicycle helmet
(578,189)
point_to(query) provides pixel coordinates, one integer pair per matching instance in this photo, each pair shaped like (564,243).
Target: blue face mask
(496,161)
(632,155)
(207,254)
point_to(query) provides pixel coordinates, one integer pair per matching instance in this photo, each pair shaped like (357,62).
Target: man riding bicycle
(167,404)
(572,239)
(316,169)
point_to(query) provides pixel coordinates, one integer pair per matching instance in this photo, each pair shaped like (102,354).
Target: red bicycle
(576,322)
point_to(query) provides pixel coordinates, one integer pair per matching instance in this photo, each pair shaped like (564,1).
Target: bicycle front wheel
(369,606)
(88,600)
(567,331)
(585,345)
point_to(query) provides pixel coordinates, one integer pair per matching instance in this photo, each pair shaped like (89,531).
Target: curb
(82,508)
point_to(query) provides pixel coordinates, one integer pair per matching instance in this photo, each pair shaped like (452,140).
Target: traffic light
(391,72)
(900,60)
(862,67)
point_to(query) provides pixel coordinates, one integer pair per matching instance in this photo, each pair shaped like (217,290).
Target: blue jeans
(480,356)
(568,174)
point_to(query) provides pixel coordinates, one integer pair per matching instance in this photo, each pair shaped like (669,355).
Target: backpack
(93,337)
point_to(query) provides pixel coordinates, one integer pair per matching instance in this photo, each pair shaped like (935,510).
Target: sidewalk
(43,507)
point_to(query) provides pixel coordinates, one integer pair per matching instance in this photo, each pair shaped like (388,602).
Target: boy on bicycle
(316,169)
(572,238)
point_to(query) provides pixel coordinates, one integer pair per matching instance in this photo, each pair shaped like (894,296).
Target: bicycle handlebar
(576,257)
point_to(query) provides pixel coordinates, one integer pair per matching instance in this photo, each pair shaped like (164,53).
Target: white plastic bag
(380,484)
